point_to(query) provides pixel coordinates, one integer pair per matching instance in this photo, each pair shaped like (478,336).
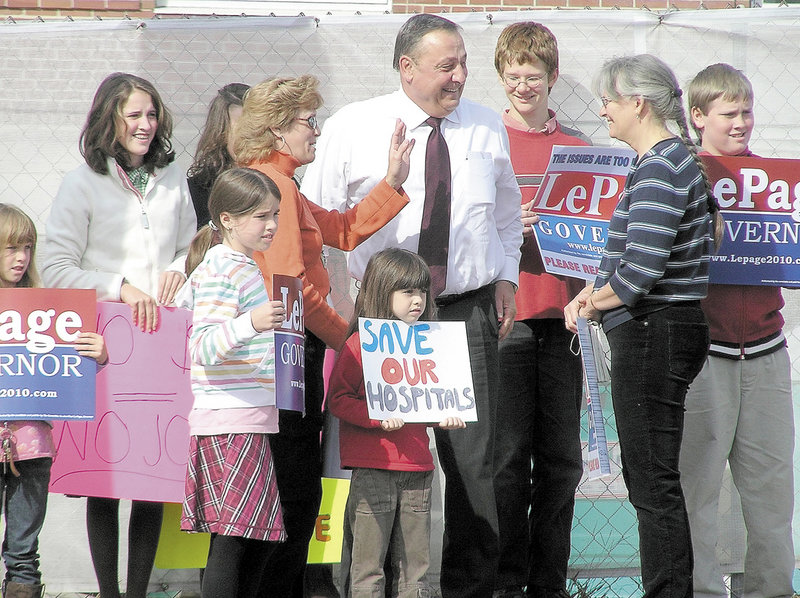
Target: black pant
(654,358)
(235,566)
(538,420)
(297,456)
(470,548)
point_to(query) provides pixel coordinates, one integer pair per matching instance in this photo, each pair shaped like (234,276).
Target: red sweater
(540,295)
(742,314)
(362,441)
(303,227)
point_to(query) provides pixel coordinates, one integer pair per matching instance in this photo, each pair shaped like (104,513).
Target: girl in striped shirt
(231,491)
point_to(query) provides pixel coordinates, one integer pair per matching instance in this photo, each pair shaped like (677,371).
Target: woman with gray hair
(653,273)
(277,134)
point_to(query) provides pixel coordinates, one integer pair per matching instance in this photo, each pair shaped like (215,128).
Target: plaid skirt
(231,488)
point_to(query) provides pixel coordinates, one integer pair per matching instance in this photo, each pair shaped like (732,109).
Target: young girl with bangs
(231,488)
(390,489)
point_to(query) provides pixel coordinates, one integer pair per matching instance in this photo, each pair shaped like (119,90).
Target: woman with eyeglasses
(277,134)
(653,273)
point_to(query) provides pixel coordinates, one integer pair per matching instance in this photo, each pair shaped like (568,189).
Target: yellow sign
(326,543)
(182,550)
(177,549)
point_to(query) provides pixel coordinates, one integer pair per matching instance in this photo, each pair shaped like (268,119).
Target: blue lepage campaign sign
(41,374)
(289,345)
(575,201)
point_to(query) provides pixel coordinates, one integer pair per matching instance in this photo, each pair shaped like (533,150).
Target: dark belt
(445,300)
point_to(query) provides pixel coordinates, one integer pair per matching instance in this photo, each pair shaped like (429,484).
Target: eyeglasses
(311,121)
(605,101)
(513,81)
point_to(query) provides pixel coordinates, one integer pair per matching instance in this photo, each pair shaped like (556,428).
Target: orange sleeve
(346,230)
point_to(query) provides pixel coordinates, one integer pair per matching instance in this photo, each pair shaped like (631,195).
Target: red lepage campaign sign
(41,374)
(760,199)
(575,201)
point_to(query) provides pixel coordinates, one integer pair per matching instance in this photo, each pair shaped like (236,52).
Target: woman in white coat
(121,224)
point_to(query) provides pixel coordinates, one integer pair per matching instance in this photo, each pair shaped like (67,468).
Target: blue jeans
(654,358)
(25,505)
(538,420)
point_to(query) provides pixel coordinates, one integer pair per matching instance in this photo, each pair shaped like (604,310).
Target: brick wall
(114,9)
(439,6)
(76,9)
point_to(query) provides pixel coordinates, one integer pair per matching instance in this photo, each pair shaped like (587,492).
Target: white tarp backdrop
(51,70)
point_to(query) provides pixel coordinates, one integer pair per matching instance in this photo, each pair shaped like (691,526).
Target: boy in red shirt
(739,408)
(538,410)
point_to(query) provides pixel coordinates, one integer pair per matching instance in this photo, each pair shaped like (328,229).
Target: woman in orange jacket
(277,134)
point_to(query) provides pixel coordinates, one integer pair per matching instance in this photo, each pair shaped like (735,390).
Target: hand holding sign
(91,344)
(268,316)
(452,423)
(144,309)
(391,424)
(529,219)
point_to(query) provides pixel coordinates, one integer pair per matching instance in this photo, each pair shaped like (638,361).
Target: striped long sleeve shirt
(233,365)
(659,238)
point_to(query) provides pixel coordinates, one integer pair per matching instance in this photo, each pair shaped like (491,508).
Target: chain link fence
(51,70)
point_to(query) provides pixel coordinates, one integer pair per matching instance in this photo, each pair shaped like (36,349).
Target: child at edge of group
(390,488)
(739,408)
(26,462)
(539,402)
(231,489)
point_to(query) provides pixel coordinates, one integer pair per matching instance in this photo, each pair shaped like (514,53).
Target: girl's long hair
(212,156)
(17,228)
(388,271)
(99,137)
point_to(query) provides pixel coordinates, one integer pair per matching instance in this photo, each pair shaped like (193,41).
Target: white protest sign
(418,373)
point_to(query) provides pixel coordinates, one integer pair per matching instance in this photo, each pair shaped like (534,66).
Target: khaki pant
(740,411)
(387,510)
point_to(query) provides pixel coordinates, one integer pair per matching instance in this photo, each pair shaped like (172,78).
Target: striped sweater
(659,238)
(233,366)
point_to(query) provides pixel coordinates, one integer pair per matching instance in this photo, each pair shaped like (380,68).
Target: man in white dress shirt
(482,253)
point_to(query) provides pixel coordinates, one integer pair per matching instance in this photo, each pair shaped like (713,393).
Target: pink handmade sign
(138,443)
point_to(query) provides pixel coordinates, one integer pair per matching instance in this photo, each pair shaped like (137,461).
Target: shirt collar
(415,117)
(550,127)
(282,162)
(745,154)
